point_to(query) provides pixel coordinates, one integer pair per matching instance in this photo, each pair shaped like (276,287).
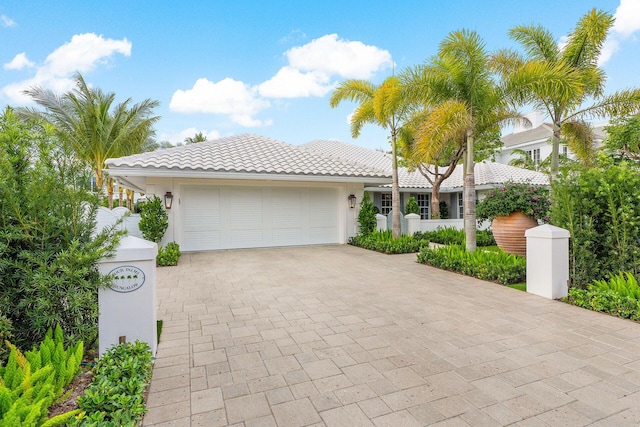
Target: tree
(198,137)
(382,105)
(576,62)
(624,137)
(94,128)
(464,105)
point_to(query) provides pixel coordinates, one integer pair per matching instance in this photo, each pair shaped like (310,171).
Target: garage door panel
(224,217)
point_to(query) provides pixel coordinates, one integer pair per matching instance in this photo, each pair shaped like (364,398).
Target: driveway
(342,336)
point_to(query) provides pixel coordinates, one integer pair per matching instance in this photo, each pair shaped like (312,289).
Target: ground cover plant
(383,241)
(487,264)
(619,296)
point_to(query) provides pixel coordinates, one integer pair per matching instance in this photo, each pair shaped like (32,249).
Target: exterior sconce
(168,200)
(352,201)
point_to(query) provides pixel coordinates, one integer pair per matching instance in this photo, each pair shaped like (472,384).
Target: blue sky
(265,67)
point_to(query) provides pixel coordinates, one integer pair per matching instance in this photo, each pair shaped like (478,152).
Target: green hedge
(454,236)
(618,296)
(382,241)
(493,265)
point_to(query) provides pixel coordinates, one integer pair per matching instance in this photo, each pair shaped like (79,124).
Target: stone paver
(341,336)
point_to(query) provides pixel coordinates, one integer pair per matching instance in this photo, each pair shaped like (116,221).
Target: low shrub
(367,215)
(115,397)
(618,296)
(31,382)
(383,241)
(492,265)
(5,334)
(168,255)
(454,236)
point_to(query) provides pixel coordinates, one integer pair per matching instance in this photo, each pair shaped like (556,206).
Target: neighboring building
(535,140)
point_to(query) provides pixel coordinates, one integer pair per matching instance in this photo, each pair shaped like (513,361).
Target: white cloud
(626,24)
(7,22)
(83,53)
(228,96)
(19,62)
(333,56)
(179,137)
(292,83)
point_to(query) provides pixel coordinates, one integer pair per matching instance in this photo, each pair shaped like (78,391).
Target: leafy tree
(367,215)
(624,137)
(574,62)
(382,105)
(94,128)
(412,206)
(48,250)
(153,220)
(198,137)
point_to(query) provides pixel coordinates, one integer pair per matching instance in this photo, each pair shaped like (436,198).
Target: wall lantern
(168,200)
(352,201)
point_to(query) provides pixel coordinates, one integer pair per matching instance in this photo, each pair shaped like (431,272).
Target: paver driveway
(341,336)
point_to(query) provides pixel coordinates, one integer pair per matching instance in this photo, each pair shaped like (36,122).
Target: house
(488,175)
(249,191)
(535,140)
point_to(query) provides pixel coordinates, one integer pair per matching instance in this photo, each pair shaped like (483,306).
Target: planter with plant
(513,209)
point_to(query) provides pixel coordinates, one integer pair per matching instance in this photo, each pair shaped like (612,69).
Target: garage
(228,217)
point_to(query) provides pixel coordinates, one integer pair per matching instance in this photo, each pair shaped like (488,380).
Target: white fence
(106,218)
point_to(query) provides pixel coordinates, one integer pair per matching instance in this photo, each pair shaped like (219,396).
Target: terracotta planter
(509,232)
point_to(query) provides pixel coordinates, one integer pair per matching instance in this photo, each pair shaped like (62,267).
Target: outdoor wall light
(168,200)
(352,201)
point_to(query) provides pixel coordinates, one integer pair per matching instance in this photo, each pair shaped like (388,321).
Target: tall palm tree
(95,128)
(466,105)
(577,61)
(382,105)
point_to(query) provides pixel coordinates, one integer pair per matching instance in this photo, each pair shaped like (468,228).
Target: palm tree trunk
(120,195)
(555,149)
(396,229)
(99,184)
(469,196)
(110,192)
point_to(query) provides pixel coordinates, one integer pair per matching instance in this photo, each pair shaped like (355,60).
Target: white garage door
(253,217)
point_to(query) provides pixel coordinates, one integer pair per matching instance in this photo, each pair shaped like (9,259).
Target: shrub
(454,236)
(30,382)
(383,241)
(493,265)
(367,215)
(412,206)
(531,200)
(168,255)
(5,335)
(444,210)
(618,296)
(115,397)
(48,253)
(153,219)
(600,208)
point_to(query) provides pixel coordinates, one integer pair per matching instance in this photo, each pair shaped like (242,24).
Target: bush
(492,265)
(153,220)
(382,241)
(454,236)
(115,397)
(618,296)
(30,382)
(444,210)
(168,255)
(48,254)
(531,200)
(5,335)
(600,208)
(412,206)
(367,215)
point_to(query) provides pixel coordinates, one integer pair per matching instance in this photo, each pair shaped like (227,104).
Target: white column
(413,224)
(128,307)
(548,261)
(381,222)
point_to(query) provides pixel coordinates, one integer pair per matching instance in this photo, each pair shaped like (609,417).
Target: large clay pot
(509,232)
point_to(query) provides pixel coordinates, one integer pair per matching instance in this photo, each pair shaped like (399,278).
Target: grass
(519,286)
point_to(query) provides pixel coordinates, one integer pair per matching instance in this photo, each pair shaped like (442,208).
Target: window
(460,205)
(534,155)
(565,151)
(424,202)
(385,203)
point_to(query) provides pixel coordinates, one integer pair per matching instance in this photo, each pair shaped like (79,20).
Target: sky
(266,67)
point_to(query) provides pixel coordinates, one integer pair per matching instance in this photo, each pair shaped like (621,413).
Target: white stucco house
(535,140)
(249,191)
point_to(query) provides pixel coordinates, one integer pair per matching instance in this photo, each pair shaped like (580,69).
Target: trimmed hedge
(382,241)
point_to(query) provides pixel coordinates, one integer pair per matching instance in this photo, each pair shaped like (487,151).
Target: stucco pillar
(128,307)
(547,261)
(381,222)
(413,223)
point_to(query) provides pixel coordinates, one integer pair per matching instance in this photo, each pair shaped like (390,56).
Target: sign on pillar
(128,307)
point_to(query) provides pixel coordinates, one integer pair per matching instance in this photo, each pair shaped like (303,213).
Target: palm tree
(382,105)
(466,106)
(577,62)
(198,137)
(95,128)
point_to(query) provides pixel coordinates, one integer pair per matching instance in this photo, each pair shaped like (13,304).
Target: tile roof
(486,173)
(544,132)
(246,153)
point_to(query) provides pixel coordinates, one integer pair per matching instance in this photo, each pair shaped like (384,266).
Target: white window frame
(385,203)
(460,205)
(424,203)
